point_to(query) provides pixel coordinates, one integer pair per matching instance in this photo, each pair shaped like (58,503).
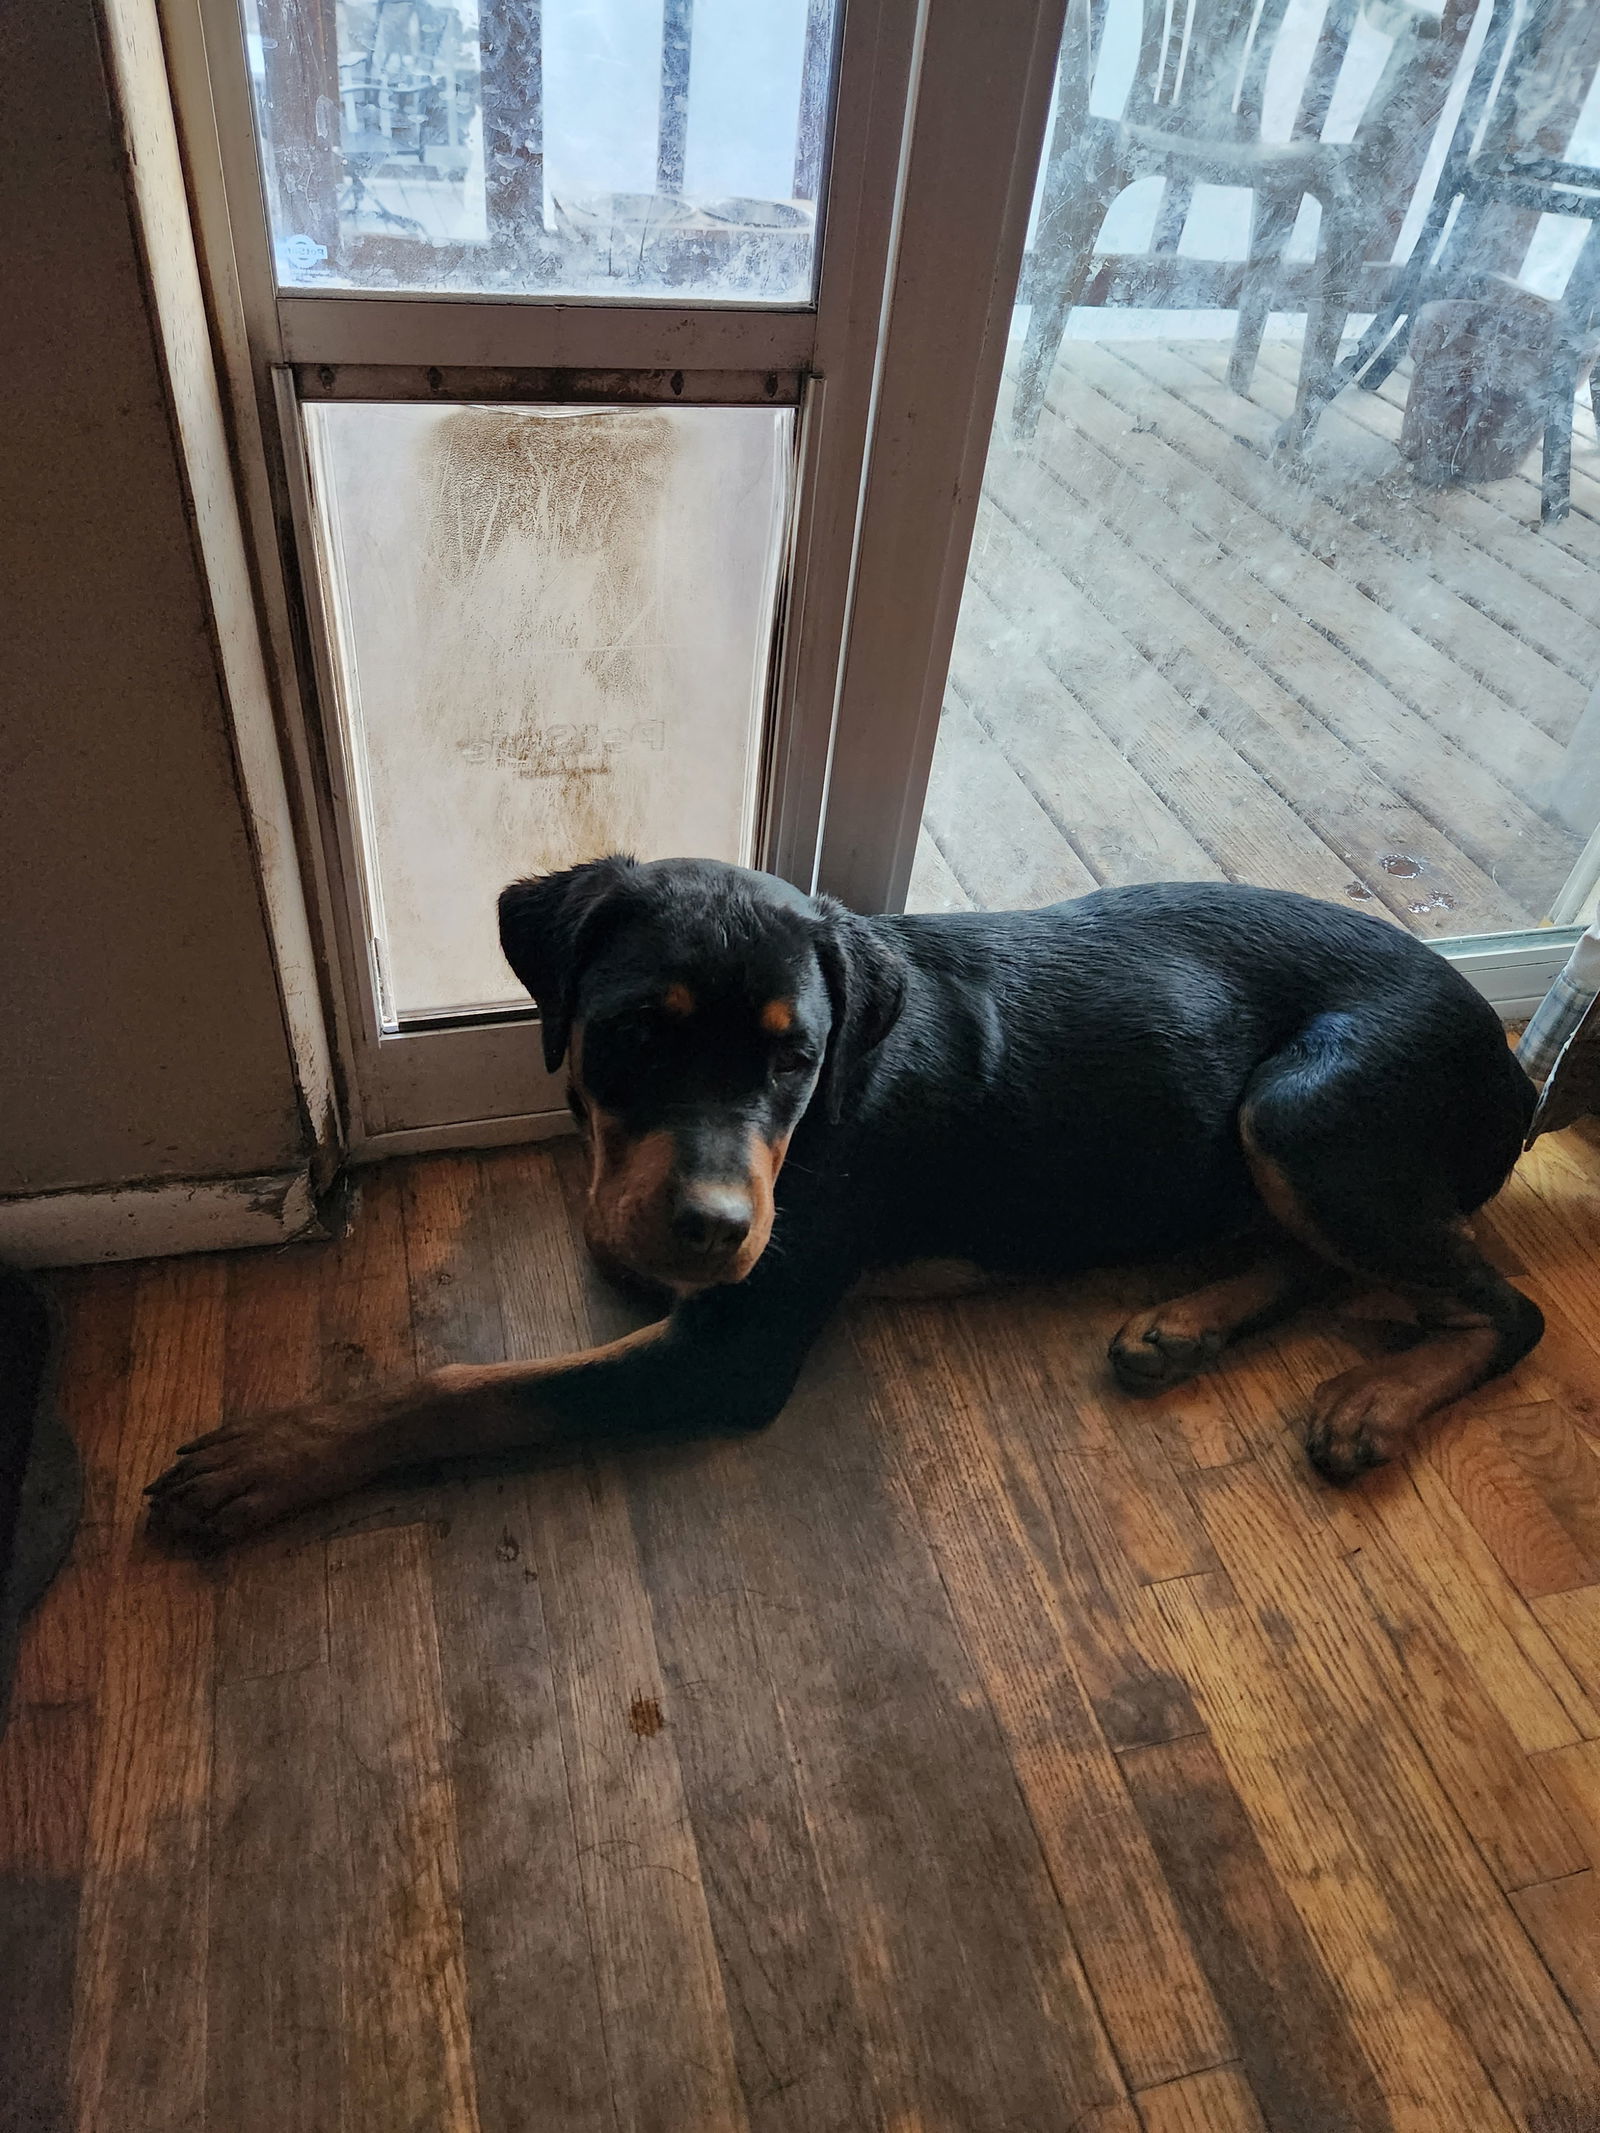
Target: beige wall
(143,1035)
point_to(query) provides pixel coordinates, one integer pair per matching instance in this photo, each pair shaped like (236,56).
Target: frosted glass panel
(552,635)
(1287,565)
(544,147)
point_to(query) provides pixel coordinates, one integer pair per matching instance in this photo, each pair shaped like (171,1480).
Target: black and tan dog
(779,1095)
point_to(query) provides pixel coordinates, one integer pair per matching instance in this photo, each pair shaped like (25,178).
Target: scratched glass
(545,147)
(552,631)
(1287,567)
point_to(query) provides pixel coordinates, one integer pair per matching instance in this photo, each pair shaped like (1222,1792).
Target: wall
(143,1036)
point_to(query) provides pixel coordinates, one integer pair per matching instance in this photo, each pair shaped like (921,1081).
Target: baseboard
(156,1220)
(466,1134)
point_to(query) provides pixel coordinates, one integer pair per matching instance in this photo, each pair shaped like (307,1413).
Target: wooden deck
(977,1750)
(1179,660)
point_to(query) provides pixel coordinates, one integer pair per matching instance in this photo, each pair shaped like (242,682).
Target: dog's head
(701,1009)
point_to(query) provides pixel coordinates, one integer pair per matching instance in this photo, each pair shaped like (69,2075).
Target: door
(555,325)
(1176,598)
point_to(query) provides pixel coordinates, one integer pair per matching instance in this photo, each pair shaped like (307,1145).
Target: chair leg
(1338,257)
(1063,254)
(1272,218)
(1388,359)
(1580,304)
(1555,485)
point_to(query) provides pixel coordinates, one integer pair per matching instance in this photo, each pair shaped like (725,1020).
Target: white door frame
(940,118)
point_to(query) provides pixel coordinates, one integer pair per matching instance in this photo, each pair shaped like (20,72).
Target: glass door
(555,320)
(1275,552)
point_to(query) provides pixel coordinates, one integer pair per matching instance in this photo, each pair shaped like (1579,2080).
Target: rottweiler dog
(779,1095)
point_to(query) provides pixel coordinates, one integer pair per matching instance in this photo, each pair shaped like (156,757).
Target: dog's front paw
(249,1474)
(1359,1420)
(1150,1355)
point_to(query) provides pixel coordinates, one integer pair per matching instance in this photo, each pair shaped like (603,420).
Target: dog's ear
(550,928)
(866,981)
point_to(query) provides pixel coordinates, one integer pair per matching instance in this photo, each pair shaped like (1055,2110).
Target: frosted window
(1230,614)
(545,147)
(552,629)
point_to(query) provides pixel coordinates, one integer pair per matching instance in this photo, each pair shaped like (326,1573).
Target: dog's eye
(793,1059)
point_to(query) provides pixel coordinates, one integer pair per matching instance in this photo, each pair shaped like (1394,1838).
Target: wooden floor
(1177,659)
(976,1750)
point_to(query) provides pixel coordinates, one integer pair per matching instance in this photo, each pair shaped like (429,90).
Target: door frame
(986,77)
(481,1081)
(896,372)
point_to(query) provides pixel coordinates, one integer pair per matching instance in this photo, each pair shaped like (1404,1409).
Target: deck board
(1190,660)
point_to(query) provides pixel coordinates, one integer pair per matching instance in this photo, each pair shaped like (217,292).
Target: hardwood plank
(1572,1622)
(798,2041)
(367,1342)
(661,1993)
(46,1762)
(1003,848)
(933,1868)
(451,1239)
(367,1345)
(1485,1462)
(522,1908)
(1562,1465)
(274,2047)
(1573,1775)
(951,1408)
(1524,1674)
(1563,1922)
(1294,2036)
(1110,2118)
(276,1982)
(97,1306)
(1358,625)
(1217,2102)
(660,1984)
(272,1613)
(139,2024)
(797,2035)
(60,1652)
(406,2046)
(1277,1760)
(1450,1912)
(1471,1748)
(1018,1352)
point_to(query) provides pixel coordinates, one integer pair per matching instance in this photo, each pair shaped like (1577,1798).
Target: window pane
(544,147)
(553,629)
(1229,613)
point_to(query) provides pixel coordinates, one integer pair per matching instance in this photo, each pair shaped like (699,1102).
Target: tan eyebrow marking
(679,1000)
(777,1017)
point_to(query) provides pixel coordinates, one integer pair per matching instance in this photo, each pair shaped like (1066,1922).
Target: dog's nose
(712,1218)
